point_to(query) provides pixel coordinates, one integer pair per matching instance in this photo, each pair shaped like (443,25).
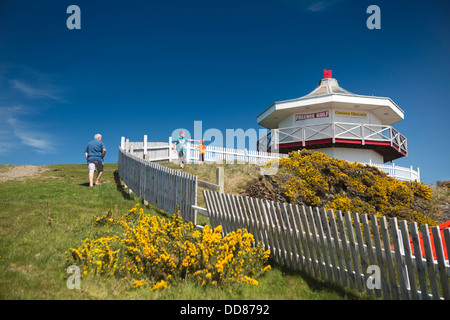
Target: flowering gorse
(156,252)
(318,180)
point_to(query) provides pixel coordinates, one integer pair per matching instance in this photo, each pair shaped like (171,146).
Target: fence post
(220,178)
(393,170)
(188,152)
(170,149)
(145,147)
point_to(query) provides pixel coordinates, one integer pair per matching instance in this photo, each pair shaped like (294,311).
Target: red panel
(318,141)
(348,141)
(308,143)
(378,143)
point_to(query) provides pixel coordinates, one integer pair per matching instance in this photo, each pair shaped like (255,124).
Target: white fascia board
(342,98)
(266,113)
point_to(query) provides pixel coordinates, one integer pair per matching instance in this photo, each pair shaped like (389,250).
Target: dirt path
(21,171)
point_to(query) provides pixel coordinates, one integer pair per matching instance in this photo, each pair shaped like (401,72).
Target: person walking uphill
(95,152)
(179,147)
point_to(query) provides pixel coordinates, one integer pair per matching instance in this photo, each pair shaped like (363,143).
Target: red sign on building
(323,114)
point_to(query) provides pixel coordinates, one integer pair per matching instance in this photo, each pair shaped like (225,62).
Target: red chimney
(327,74)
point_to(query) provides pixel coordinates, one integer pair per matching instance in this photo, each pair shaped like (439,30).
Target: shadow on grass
(120,187)
(319,285)
(86,184)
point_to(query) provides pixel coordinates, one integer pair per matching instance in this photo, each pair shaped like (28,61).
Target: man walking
(95,152)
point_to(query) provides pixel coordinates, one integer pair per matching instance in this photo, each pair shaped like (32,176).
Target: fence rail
(163,151)
(163,187)
(348,249)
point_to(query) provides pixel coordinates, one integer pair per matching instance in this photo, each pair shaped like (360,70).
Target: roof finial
(327,74)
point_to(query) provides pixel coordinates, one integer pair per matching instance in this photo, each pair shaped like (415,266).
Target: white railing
(337,130)
(398,172)
(163,151)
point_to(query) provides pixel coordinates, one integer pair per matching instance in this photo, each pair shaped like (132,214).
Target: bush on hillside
(157,252)
(318,180)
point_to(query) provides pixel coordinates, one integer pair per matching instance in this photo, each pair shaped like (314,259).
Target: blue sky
(150,67)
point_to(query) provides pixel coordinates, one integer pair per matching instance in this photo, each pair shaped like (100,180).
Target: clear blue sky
(150,67)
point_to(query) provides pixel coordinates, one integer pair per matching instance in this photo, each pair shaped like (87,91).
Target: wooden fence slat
(226,226)
(243,223)
(354,254)
(260,213)
(237,220)
(308,261)
(388,256)
(284,233)
(420,267)
(361,249)
(312,218)
(323,244)
(295,234)
(256,225)
(271,214)
(344,243)
(447,241)
(228,213)
(266,211)
(408,260)
(338,249)
(308,238)
(211,209)
(432,276)
(288,235)
(446,232)
(381,263)
(331,248)
(441,262)
(401,271)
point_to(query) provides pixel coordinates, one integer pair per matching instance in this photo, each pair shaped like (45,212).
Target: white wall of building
(353,154)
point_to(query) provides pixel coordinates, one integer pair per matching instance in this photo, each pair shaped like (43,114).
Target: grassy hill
(43,216)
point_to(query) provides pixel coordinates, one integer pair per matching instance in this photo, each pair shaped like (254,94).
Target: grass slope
(42,217)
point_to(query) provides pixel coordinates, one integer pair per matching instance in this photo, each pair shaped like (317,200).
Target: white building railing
(334,131)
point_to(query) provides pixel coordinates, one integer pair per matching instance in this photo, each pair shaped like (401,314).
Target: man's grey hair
(98,135)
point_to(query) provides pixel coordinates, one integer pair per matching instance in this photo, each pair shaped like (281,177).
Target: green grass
(42,217)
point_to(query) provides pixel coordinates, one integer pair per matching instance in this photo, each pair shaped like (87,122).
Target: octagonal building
(337,122)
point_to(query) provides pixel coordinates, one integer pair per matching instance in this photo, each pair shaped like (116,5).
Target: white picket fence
(161,151)
(163,187)
(344,249)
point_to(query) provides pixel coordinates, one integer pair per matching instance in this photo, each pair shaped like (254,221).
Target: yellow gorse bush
(318,180)
(156,252)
